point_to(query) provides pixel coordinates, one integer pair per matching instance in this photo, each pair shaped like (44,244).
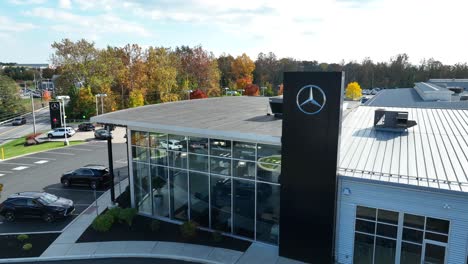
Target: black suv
(92,175)
(86,127)
(36,205)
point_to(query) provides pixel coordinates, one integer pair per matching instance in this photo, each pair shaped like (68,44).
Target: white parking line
(40,158)
(81,149)
(16,163)
(6,171)
(20,168)
(1,175)
(41,161)
(60,153)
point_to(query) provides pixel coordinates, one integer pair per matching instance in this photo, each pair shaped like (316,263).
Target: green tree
(136,98)
(82,103)
(10,102)
(162,74)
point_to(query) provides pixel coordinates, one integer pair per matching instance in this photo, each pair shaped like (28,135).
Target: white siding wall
(419,202)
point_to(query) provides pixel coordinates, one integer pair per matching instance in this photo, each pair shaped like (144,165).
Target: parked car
(198,145)
(171,144)
(18,121)
(36,205)
(94,176)
(86,127)
(102,134)
(60,132)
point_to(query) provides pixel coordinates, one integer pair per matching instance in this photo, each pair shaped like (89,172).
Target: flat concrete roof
(229,117)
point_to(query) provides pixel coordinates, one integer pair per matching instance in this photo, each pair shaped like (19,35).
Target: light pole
(263,90)
(33,115)
(63,98)
(226,88)
(102,103)
(188,93)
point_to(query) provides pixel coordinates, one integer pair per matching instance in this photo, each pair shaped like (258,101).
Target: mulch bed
(169,232)
(11,247)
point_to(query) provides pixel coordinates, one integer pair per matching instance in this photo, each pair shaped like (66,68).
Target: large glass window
(376,232)
(221,203)
(159,184)
(268,212)
(142,187)
(225,185)
(179,194)
(199,198)
(244,207)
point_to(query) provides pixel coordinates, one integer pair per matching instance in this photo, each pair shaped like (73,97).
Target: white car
(60,132)
(172,144)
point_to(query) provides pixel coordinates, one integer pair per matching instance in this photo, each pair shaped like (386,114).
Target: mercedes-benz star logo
(54,106)
(307,103)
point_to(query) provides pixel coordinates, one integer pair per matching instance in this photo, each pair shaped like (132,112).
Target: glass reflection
(142,187)
(268,172)
(264,150)
(140,138)
(221,203)
(178,159)
(198,145)
(160,188)
(198,162)
(199,198)
(220,147)
(244,169)
(268,200)
(220,166)
(155,139)
(158,156)
(178,193)
(177,142)
(244,150)
(140,154)
(244,208)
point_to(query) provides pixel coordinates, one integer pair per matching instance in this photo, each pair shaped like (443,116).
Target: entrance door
(434,252)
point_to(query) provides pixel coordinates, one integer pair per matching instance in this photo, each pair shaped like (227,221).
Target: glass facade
(224,185)
(423,239)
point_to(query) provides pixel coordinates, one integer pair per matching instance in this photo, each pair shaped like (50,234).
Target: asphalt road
(42,171)
(114,261)
(9,132)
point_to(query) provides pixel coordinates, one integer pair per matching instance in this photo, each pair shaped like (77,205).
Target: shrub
(155,225)
(217,236)
(22,237)
(114,213)
(189,229)
(126,215)
(103,223)
(32,136)
(27,246)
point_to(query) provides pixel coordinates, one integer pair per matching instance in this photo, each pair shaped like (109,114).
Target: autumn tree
(252,90)
(162,74)
(198,94)
(266,69)
(46,96)
(242,69)
(136,98)
(353,91)
(227,78)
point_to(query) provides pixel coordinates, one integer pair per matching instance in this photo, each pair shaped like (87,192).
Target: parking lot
(42,172)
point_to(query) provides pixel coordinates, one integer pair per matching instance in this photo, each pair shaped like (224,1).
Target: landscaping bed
(16,147)
(142,230)
(11,246)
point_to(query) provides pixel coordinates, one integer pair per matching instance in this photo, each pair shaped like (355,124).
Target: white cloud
(8,25)
(26,2)
(65,4)
(67,22)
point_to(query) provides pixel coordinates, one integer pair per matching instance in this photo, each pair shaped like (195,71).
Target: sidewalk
(65,248)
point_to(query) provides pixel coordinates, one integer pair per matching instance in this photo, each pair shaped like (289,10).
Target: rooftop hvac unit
(396,121)
(276,106)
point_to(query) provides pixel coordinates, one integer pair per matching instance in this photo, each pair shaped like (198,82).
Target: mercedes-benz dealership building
(397,194)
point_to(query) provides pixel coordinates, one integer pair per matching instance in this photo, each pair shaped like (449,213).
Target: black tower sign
(310,146)
(55,114)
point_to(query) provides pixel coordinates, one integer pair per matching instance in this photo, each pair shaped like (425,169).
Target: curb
(105,256)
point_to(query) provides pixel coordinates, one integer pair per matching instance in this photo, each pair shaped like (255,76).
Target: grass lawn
(16,147)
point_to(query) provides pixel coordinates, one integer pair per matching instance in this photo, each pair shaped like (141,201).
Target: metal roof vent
(396,121)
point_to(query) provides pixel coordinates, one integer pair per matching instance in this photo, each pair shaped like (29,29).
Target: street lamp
(226,88)
(102,104)
(63,98)
(263,90)
(188,93)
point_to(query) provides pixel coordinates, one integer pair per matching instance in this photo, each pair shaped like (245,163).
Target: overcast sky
(323,30)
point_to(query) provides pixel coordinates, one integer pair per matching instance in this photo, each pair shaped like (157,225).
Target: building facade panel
(432,205)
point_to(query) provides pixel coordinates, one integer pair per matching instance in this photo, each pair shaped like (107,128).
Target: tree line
(133,75)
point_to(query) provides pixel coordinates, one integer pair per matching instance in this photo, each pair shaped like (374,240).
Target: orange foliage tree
(46,96)
(241,83)
(280,91)
(252,90)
